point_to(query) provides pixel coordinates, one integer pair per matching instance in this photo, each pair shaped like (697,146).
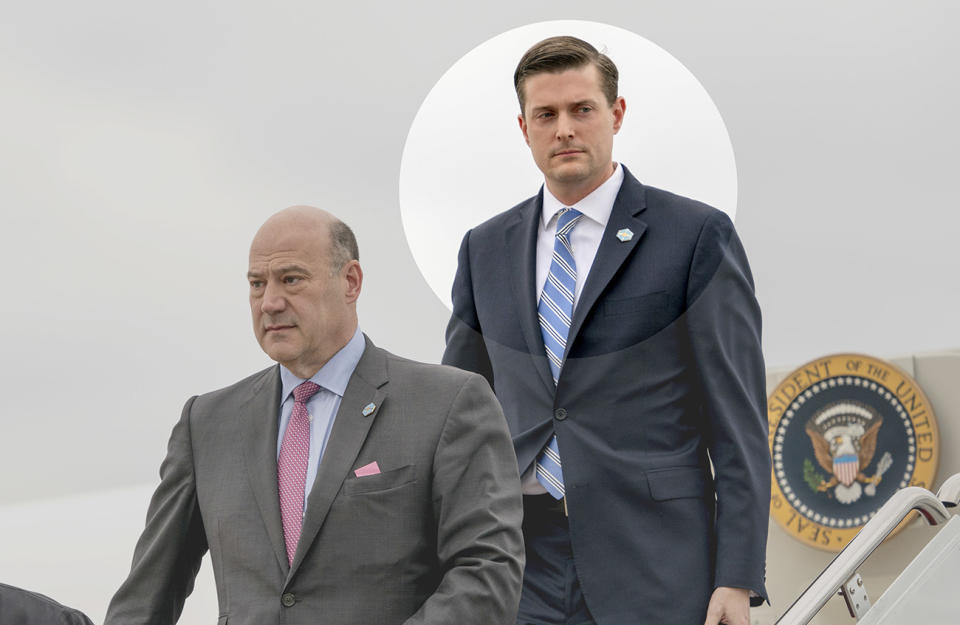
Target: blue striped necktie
(555,311)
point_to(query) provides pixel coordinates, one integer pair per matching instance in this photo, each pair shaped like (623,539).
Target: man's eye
(291,279)
(256,284)
(544,115)
(585,109)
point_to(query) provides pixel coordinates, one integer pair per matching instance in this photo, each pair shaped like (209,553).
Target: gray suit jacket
(434,538)
(22,607)
(663,374)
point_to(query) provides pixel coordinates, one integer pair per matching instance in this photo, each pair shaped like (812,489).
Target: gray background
(141,146)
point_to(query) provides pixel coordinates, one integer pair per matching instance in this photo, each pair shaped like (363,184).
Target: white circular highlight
(465,159)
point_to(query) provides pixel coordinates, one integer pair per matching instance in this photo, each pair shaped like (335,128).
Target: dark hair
(558,54)
(343,246)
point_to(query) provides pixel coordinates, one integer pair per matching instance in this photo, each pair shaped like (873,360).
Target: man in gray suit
(345,486)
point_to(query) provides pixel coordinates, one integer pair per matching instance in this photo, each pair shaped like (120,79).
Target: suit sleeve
(478,509)
(723,318)
(168,553)
(74,617)
(20,606)
(465,346)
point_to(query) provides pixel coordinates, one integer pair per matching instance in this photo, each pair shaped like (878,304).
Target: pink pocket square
(367,469)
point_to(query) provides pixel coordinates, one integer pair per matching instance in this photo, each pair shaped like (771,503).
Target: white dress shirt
(584,242)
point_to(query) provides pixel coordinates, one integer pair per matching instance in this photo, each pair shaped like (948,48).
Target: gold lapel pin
(625,234)
(368,409)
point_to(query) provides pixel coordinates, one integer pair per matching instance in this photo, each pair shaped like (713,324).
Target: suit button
(288,599)
(560,414)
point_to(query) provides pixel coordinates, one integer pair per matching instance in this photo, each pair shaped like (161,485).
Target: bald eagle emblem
(844,438)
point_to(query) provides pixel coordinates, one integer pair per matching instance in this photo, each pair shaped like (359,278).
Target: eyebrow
(291,269)
(550,107)
(280,271)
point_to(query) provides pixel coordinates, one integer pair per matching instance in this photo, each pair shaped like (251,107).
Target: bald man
(342,486)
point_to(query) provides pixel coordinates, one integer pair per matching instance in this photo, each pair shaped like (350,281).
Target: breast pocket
(620,323)
(382,521)
(381,482)
(649,304)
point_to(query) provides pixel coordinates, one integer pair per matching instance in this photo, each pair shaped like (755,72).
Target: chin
(278,352)
(570,174)
(275,355)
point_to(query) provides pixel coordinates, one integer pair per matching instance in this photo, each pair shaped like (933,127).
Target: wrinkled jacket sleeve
(723,320)
(465,346)
(168,553)
(479,510)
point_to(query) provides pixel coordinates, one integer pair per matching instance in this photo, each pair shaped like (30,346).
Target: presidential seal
(846,432)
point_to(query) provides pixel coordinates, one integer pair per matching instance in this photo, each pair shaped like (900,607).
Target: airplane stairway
(925,593)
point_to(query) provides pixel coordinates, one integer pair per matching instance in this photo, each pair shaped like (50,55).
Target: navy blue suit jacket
(663,374)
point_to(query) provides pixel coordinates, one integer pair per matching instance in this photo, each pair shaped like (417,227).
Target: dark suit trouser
(551,589)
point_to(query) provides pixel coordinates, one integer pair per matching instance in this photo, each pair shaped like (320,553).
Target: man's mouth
(278,327)
(567,152)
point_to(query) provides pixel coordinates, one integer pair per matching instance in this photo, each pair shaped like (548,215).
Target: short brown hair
(558,54)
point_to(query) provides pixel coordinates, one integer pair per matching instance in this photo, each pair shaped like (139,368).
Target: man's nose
(273,301)
(565,128)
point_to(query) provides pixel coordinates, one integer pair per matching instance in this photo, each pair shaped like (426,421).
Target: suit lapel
(521,246)
(612,252)
(260,454)
(368,384)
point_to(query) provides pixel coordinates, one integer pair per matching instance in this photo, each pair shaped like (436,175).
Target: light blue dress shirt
(322,407)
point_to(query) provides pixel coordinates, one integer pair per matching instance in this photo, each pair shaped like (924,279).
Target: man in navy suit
(618,326)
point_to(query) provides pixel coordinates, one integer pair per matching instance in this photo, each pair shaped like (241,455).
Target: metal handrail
(949,493)
(846,563)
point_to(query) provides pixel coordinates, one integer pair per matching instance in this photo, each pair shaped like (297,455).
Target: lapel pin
(625,234)
(368,409)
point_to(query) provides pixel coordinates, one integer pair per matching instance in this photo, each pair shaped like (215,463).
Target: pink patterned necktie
(292,466)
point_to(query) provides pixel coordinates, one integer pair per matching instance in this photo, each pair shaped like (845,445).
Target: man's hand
(730,606)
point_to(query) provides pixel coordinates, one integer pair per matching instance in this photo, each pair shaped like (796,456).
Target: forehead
(308,247)
(577,84)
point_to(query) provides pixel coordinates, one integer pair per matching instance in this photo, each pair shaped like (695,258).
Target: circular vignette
(465,159)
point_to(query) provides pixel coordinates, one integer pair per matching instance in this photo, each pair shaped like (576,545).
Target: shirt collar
(597,205)
(334,375)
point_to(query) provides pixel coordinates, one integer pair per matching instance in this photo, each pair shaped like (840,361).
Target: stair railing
(841,576)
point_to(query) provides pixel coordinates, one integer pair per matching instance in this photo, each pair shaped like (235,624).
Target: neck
(306,369)
(571,193)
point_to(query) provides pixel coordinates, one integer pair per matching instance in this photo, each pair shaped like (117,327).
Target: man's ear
(619,108)
(523,127)
(353,277)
